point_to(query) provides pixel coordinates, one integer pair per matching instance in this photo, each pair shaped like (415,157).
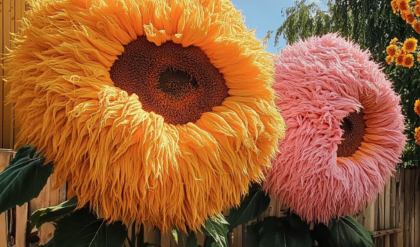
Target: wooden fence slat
(380,225)
(5,156)
(8,27)
(399,218)
(21,225)
(416,229)
(392,210)
(408,209)
(1,72)
(3,230)
(387,212)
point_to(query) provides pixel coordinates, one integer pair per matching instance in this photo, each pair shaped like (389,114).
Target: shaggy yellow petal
(129,163)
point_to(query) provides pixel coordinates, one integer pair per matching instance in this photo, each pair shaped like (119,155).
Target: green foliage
(303,20)
(192,240)
(372,24)
(252,206)
(347,232)
(252,234)
(84,229)
(286,231)
(23,179)
(291,231)
(53,213)
(216,229)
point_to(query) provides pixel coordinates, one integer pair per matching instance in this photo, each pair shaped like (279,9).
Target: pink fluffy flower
(345,128)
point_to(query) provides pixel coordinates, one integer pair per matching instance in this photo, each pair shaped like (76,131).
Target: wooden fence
(394,216)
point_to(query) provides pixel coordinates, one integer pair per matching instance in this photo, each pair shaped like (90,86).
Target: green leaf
(84,229)
(23,179)
(321,233)
(175,235)
(192,240)
(252,234)
(252,206)
(287,231)
(210,242)
(217,228)
(347,232)
(53,213)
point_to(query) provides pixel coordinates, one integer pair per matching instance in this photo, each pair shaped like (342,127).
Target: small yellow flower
(410,18)
(417,135)
(416,26)
(394,6)
(389,59)
(393,41)
(410,45)
(403,5)
(391,50)
(417,107)
(400,57)
(417,10)
(408,61)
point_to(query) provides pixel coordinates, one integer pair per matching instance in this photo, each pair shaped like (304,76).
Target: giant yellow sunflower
(155,111)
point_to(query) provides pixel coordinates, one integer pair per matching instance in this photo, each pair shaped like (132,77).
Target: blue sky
(265,15)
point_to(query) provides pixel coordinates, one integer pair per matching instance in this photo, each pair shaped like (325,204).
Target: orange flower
(389,59)
(394,6)
(408,61)
(417,3)
(417,135)
(393,41)
(400,58)
(410,45)
(391,49)
(416,26)
(417,107)
(163,111)
(403,5)
(410,18)
(417,10)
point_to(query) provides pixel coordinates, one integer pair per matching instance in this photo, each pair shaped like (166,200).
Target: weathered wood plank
(7,117)
(2,3)
(377,234)
(392,210)
(387,213)
(380,217)
(399,217)
(5,156)
(21,224)
(416,229)
(408,208)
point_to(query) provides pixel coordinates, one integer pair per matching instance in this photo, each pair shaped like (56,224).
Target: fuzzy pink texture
(320,81)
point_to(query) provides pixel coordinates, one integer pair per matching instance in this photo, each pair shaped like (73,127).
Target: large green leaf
(53,213)
(252,234)
(217,228)
(192,240)
(23,179)
(252,206)
(286,231)
(84,229)
(347,232)
(321,233)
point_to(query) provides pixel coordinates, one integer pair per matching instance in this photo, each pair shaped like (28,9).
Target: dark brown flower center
(353,127)
(178,83)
